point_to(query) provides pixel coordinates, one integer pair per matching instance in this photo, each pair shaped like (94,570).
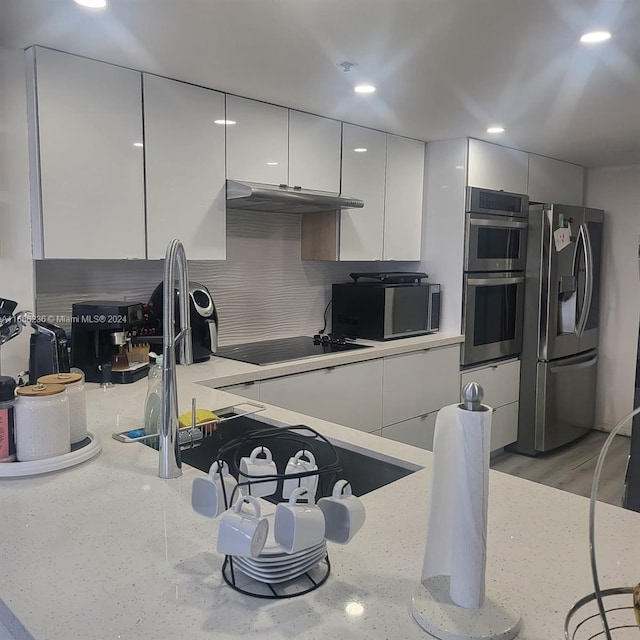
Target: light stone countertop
(108,550)
(222,372)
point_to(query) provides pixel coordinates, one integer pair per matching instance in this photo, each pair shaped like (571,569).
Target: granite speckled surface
(108,550)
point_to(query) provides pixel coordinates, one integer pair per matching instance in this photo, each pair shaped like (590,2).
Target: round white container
(42,422)
(74,383)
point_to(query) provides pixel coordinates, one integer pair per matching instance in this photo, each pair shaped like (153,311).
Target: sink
(364,472)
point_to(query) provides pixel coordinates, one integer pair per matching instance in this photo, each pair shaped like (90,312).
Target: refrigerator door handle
(588,294)
(491,282)
(585,364)
(588,286)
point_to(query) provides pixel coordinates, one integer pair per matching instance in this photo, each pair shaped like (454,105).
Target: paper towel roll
(457,526)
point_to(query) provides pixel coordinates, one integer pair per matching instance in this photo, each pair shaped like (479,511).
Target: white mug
(241,533)
(252,468)
(298,525)
(212,495)
(344,513)
(298,464)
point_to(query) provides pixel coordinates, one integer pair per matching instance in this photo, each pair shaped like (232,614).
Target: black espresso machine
(101,334)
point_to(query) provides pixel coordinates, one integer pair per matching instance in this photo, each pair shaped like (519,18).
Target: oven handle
(487,282)
(480,222)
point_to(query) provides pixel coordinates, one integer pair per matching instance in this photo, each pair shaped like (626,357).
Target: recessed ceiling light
(495,129)
(272,164)
(364,88)
(359,149)
(224,121)
(92,4)
(138,144)
(595,36)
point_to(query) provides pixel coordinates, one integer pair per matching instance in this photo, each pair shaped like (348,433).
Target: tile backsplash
(263,290)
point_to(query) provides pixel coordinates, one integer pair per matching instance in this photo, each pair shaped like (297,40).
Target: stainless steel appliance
(560,335)
(492,316)
(384,306)
(493,292)
(286,349)
(496,230)
(271,198)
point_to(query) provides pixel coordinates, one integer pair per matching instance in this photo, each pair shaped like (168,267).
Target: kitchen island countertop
(108,550)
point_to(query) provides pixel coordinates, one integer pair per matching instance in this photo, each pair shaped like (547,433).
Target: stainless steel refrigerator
(560,333)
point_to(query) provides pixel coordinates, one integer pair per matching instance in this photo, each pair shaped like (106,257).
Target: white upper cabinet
(403,198)
(185,168)
(555,181)
(258,142)
(314,152)
(87,158)
(363,176)
(491,166)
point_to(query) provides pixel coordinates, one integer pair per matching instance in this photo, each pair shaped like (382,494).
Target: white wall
(617,191)
(16,266)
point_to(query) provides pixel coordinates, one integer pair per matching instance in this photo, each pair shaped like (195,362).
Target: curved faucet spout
(175,263)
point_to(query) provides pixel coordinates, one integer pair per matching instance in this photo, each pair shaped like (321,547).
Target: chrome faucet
(175,259)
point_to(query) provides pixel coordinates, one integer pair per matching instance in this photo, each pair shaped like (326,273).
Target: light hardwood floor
(572,468)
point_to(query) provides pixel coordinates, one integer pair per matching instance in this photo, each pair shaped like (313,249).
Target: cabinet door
(416,431)
(491,166)
(403,199)
(350,395)
(184,165)
(504,426)
(257,142)
(249,390)
(87,137)
(314,152)
(363,176)
(419,383)
(555,181)
(500,382)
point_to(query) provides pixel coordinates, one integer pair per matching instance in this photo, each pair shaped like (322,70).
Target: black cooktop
(282,350)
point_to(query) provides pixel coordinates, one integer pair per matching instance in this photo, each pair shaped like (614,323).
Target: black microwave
(384,310)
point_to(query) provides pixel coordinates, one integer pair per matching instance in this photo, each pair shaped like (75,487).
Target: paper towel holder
(472,396)
(431,605)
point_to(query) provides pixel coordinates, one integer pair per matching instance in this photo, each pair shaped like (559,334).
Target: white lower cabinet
(350,395)
(415,431)
(501,386)
(419,383)
(250,390)
(504,426)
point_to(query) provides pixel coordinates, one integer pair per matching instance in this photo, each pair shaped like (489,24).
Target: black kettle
(203,316)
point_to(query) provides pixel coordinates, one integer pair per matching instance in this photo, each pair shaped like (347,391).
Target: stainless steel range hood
(269,198)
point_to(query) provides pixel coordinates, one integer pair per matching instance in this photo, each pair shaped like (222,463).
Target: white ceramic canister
(74,383)
(42,422)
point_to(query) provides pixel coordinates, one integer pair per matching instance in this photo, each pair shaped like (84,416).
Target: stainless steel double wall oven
(494,274)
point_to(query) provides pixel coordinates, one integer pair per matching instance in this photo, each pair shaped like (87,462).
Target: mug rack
(290,440)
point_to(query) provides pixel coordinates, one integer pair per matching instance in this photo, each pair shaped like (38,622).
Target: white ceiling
(443,68)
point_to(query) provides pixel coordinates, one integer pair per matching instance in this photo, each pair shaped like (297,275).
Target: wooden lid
(40,390)
(60,378)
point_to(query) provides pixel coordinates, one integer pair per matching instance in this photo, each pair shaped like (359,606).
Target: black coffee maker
(202,313)
(48,351)
(101,338)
